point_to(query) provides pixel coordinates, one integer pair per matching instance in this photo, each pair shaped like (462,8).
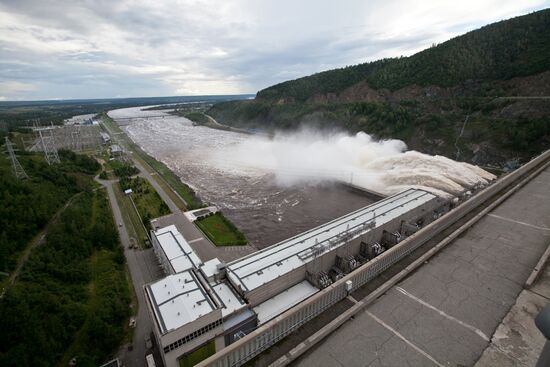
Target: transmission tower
(17,168)
(48,145)
(76,140)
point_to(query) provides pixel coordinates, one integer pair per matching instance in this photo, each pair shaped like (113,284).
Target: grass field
(148,202)
(221,231)
(133,224)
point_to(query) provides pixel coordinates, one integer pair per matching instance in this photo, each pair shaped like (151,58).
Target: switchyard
(50,139)
(199,304)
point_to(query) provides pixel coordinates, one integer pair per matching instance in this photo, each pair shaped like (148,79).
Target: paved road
(517,341)
(446,313)
(144,269)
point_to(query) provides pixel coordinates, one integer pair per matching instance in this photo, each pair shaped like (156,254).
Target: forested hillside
(499,51)
(483,97)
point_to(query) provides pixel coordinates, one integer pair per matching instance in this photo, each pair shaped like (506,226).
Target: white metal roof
(254,270)
(178,300)
(210,267)
(229,300)
(177,250)
(283,301)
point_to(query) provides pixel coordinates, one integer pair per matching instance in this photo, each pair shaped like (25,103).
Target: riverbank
(202,119)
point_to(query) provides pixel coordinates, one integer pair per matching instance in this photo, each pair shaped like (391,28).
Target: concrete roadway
(143,269)
(445,313)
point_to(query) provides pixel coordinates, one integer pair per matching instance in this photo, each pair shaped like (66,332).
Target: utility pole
(18,170)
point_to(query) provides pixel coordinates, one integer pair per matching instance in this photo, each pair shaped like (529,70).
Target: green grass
(176,198)
(191,200)
(221,231)
(198,355)
(148,202)
(198,117)
(130,217)
(114,164)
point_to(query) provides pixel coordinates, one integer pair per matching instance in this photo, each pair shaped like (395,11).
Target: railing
(270,333)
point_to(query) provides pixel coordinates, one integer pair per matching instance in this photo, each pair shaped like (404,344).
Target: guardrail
(270,333)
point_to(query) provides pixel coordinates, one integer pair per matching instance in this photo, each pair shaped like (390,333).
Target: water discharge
(382,166)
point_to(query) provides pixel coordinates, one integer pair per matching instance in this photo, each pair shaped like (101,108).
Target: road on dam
(447,311)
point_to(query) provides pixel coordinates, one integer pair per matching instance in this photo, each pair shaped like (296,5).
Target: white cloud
(11,87)
(107,48)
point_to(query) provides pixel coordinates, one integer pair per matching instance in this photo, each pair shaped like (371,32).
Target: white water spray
(383,166)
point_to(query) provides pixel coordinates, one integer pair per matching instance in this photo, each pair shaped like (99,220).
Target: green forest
(28,205)
(71,298)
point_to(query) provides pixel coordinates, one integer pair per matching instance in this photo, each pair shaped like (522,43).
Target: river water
(265,209)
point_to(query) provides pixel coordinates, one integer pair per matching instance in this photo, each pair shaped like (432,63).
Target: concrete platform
(517,341)
(445,313)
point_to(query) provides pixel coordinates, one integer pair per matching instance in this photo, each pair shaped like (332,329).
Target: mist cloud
(383,166)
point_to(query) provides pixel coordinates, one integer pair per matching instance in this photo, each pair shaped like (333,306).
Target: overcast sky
(110,48)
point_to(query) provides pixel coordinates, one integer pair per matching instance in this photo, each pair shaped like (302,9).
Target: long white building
(203,307)
(174,253)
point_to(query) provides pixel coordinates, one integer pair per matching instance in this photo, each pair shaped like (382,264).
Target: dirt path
(37,241)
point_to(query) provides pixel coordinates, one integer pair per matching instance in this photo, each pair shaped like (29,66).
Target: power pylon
(18,170)
(76,140)
(48,145)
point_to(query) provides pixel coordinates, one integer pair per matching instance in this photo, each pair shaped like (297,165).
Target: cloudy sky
(111,48)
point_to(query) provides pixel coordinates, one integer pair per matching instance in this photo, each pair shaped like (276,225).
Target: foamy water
(382,166)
